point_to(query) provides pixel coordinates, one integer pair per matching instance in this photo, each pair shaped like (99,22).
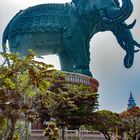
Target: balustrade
(82,79)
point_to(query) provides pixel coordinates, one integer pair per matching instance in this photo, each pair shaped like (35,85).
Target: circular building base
(82,79)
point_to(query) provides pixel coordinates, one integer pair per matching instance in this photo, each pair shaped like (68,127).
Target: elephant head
(122,31)
(112,18)
(109,10)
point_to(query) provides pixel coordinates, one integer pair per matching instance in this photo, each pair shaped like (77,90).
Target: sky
(116,82)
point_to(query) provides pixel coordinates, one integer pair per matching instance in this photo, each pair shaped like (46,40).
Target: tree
(28,88)
(86,101)
(69,100)
(131,122)
(71,104)
(19,82)
(105,122)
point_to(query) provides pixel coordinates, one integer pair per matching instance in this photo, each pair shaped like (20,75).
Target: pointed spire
(131,102)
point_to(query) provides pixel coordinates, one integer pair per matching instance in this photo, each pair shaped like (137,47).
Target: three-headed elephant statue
(66,30)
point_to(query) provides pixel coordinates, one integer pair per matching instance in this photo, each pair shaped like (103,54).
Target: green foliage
(30,87)
(19,83)
(2,125)
(109,119)
(85,101)
(67,103)
(131,122)
(105,122)
(51,132)
(16,136)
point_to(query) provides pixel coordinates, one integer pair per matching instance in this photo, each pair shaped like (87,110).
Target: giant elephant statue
(66,30)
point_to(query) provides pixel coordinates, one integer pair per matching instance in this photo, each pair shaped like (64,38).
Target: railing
(72,134)
(37,132)
(82,79)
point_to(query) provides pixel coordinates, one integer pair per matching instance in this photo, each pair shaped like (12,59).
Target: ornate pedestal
(82,79)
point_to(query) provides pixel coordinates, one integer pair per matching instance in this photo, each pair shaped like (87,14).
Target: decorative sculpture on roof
(66,30)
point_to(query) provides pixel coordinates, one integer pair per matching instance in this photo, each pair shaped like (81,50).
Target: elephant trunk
(128,59)
(126,41)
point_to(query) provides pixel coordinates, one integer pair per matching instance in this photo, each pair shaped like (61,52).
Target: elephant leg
(66,62)
(76,48)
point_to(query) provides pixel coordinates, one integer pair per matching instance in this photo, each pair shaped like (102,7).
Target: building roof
(131,102)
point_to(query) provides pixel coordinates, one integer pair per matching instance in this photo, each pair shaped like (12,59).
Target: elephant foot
(85,72)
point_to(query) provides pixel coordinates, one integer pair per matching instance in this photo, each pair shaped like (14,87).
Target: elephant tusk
(136,43)
(130,26)
(135,51)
